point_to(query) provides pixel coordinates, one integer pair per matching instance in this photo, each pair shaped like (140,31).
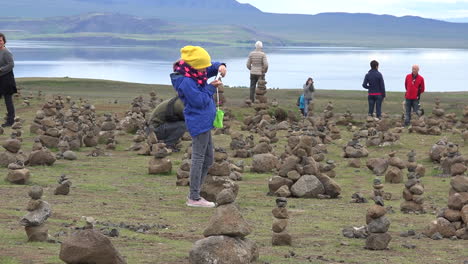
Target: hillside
(225,22)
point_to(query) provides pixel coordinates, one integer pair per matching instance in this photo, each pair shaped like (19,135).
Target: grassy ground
(118,189)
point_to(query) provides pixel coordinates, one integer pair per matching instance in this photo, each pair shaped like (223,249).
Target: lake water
(331,67)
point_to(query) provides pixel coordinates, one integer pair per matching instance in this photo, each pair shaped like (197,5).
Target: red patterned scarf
(188,71)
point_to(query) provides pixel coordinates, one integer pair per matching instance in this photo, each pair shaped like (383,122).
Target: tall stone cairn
(377,225)
(281,237)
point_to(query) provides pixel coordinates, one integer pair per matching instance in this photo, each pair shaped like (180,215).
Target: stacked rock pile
(281,236)
(34,220)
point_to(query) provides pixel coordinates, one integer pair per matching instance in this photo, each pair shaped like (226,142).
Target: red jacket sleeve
(422,85)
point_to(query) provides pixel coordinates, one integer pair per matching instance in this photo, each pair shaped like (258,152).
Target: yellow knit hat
(195,56)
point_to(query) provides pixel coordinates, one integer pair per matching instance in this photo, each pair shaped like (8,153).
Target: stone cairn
(16,127)
(135,118)
(183,173)
(377,226)
(12,153)
(260,92)
(413,166)
(107,131)
(452,222)
(159,164)
(299,174)
(154,100)
(219,177)
(240,146)
(64,150)
(225,239)
(355,150)
(17,173)
(379,190)
(40,155)
(34,220)
(438,150)
(453,163)
(345,119)
(395,169)
(139,141)
(281,236)
(64,186)
(413,195)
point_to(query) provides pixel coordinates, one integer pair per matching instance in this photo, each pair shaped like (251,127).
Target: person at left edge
(7,81)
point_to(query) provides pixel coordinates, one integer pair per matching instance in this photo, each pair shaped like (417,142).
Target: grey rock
(38,216)
(379,225)
(223,250)
(308,186)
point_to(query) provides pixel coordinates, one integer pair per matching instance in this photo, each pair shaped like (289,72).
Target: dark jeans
(170,132)
(10,108)
(202,159)
(375,101)
(410,105)
(253,84)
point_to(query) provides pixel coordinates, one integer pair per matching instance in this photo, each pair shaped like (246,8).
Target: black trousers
(10,107)
(253,84)
(410,105)
(170,132)
(375,101)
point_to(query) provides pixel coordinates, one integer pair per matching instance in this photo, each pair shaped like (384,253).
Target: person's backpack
(171,116)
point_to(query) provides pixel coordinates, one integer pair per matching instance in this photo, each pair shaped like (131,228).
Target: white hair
(258,44)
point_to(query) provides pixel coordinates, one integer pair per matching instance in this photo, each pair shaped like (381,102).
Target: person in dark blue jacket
(190,76)
(374,83)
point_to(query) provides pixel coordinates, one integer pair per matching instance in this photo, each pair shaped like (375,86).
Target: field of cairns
(81,181)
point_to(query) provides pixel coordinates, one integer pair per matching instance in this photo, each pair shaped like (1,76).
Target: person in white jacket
(257,63)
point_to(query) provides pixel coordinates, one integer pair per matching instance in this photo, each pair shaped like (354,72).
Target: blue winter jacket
(374,83)
(199,106)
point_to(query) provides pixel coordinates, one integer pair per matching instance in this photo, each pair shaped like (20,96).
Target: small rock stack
(281,236)
(240,146)
(413,166)
(395,170)
(139,141)
(328,168)
(12,152)
(413,195)
(379,190)
(345,119)
(355,150)
(453,163)
(260,92)
(183,173)
(334,131)
(159,164)
(377,226)
(17,173)
(452,221)
(463,124)
(263,146)
(40,155)
(225,241)
(34,221)
(64,186)
(108,127)
(438,150)
(219,177)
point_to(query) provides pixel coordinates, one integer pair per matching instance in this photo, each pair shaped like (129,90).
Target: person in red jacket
(414,85)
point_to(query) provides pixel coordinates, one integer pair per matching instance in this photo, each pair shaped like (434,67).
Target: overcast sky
(439,9)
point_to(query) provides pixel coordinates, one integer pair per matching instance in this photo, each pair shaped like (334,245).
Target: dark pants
(10,108)
(170,132)
(253,84)
(202,159)
(410,105)
(375,101)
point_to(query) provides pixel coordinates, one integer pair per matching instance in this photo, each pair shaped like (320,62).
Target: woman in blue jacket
(375,85)
(189,79)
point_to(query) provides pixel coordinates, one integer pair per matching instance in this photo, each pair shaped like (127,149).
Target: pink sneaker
(200,203)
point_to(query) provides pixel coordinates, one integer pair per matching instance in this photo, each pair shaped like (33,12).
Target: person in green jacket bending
(168,122)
